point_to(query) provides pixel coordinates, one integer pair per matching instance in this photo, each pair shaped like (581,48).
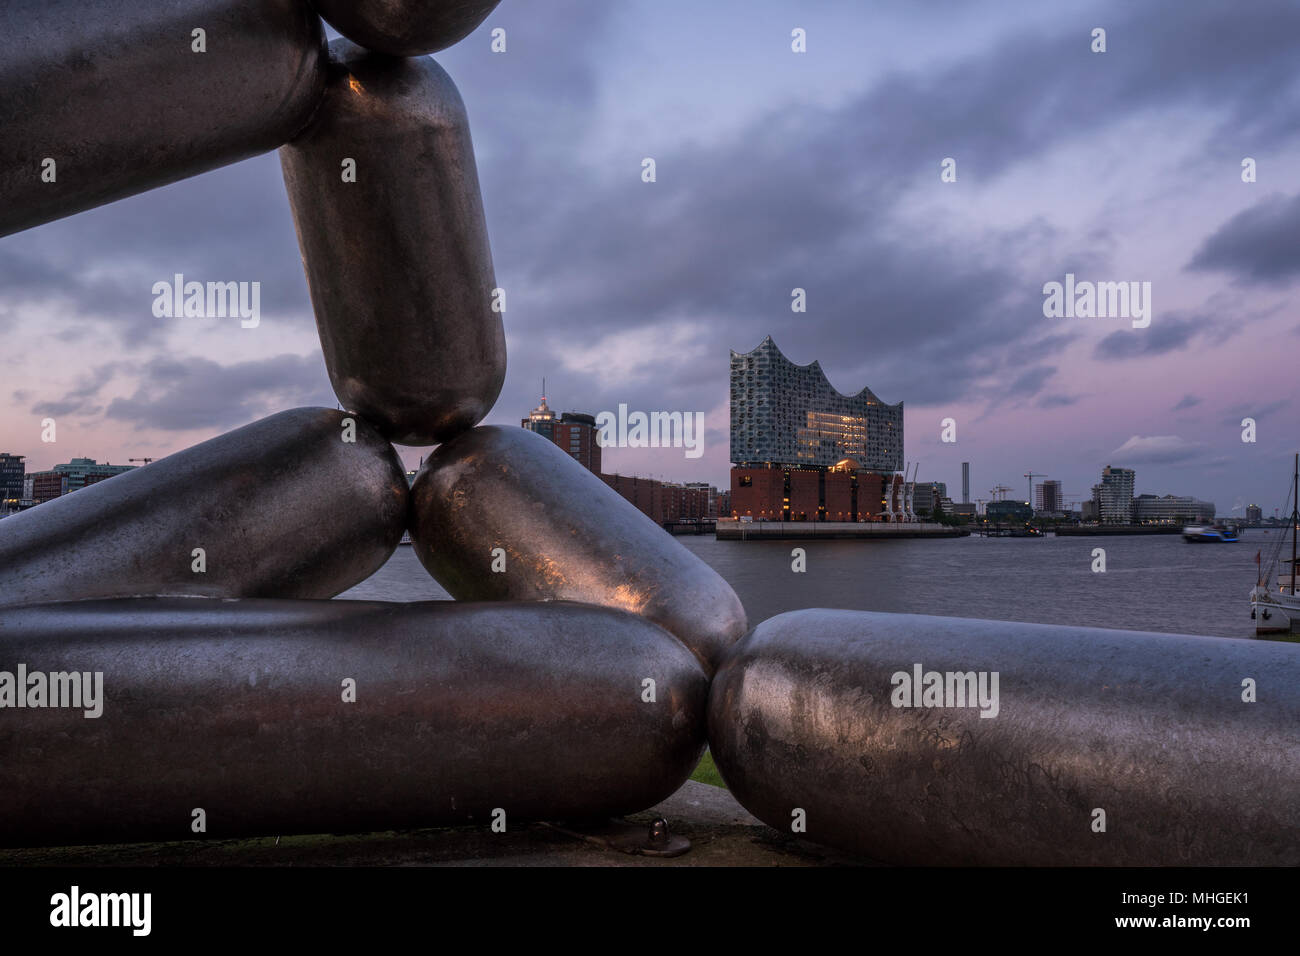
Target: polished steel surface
(398,262)
(284,507)
(114,93)
(237,708)
(564,534)
(1151,729)
(405,27)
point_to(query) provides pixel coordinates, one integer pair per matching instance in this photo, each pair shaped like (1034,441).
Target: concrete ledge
(721,831)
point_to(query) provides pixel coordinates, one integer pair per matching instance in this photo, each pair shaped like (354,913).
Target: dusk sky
(776,170)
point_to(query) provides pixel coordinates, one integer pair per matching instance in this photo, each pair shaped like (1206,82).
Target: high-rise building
(965,481)
(1047,496)
(573,432)
(12,472)
(787,414)
(1115,495)
(1254,514)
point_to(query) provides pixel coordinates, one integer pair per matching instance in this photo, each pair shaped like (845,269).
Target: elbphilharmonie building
(788,414)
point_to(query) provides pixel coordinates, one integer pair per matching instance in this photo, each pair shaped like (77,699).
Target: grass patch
(707,772)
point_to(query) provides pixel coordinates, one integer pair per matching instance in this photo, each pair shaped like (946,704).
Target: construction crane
(144,460)
(998,491)
(1031,475)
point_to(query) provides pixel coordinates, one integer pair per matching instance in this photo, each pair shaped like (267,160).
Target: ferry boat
(1276,609)
(1217,532)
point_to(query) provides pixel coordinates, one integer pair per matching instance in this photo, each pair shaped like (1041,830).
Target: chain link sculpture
(573,681)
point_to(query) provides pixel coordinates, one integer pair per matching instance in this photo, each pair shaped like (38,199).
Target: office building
(76,474)
(1171,509)
(965,481)
(926,495)
(962,509)
(1008,511)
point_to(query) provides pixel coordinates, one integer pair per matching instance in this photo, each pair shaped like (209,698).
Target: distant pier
(1088,530)
(732,529)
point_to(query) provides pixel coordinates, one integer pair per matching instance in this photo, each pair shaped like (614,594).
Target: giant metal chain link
(580,685)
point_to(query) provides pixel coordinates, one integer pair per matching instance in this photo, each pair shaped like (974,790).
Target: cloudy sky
(775,170)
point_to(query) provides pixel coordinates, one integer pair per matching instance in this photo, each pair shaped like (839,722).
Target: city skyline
(1069,501)
(818,171)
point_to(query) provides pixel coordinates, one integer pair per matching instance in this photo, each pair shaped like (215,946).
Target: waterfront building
(47,485)
(1172,509)
(1047,497)
(666,501)
(1008,511)
(661,501)
(803,451)
(965,481)
(70,477)
(1254,515)
(12,472)
(575,433)
(1088,511)
(790,415)
(925,495)
(1115,495)
(965,509)
(699,500)
(840,493)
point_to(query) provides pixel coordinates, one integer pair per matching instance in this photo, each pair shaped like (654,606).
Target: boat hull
(1273,613)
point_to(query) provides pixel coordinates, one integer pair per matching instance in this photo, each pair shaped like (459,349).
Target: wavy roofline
(816,365)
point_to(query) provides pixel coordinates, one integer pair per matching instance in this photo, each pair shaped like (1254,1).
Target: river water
(1151,582)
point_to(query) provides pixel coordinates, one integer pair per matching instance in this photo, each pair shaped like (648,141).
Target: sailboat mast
(1295,516)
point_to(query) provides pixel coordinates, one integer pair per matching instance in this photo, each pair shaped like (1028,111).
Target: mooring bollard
(386,203)
(305,503)
(503,514)
(931,740)
(269,717)
(107,99)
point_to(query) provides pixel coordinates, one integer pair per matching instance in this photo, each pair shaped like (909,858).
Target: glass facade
(787,414)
